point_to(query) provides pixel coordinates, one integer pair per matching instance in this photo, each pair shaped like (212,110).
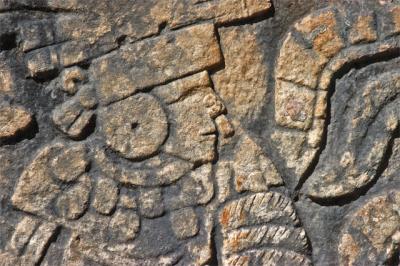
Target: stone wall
(199,132)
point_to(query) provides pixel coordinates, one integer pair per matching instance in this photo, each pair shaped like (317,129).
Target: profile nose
(224,126)
(214,105)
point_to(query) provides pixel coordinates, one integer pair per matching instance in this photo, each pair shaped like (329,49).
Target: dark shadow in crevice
(88,129)
(162,27)
(121,40)
(8,41)
(85,65)
(213,261)
(37,6)
(46,76)
(394,260)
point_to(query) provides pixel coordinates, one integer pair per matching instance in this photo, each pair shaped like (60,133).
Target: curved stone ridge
(359,137)
(321,46)
(38,187)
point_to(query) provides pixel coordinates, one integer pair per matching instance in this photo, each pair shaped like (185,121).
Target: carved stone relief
(199,132)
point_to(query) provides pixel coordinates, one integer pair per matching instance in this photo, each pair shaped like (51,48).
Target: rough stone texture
(219,11)
(248,225)
(135,127)
(155,61)
(374,112)
(184,223)
(106,196)
(199,132)
(377,221)
(242,84)
(14,120)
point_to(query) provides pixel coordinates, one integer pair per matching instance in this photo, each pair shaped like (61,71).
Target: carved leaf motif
(262,228)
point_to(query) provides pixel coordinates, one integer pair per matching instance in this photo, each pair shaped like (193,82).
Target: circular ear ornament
(135,127)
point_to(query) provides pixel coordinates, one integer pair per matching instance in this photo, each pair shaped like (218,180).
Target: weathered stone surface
(151,202)
(14,120)
(70,163)
(393,165)
(124,225)
(223,175)
(199,132)
(253,170)
(364,29)
(245,227)
(327,41)
(87,97)
(196,188)
(322,33)
(220,11)
(224,126)
(74,202)
(36,189)
(256,209)
(7,83)
(23,232)
(242,84)
(294,105)
(184,223)
(394,14)
(70,79)
(128,201)
(106,196)
(152,62)
(290,146)
(162,170)
(135,127)
(42,63)
(80,128)
(192,108)
(372,233)
(72,119)
(38,244)
(298,64)
(373,100)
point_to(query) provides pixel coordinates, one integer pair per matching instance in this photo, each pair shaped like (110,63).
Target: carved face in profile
(163,140)
(176,119)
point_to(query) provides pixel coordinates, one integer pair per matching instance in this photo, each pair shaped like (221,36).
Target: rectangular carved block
(221,11)
(155,61)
